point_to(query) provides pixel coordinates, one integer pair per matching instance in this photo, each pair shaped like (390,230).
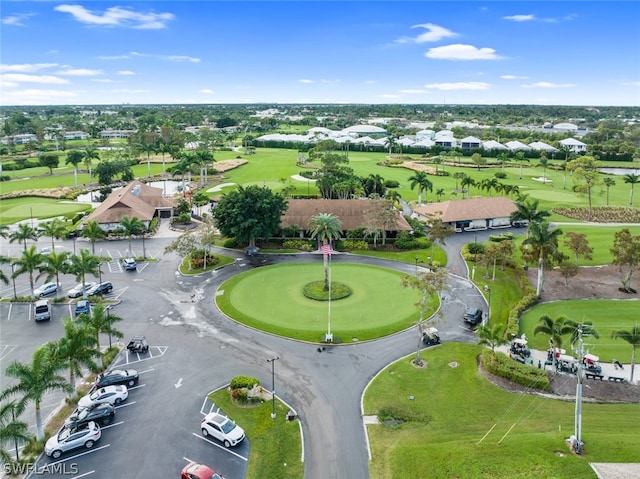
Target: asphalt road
(196,349)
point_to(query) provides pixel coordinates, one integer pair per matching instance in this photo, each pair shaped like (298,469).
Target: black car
(138,344)
(100,289)
(473,316)
(128,377)
(102,413)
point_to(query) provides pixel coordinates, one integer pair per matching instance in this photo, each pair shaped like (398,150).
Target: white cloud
(546,84)
(208,91)
(17,20)
(631,83)
(413,92)
(34,96)
(434,33)
(117,17)
(337,80)
(114,57)
(183,58)
(473,85)
(104,80)
(126,72)
(27,67)
(23,78)
(305,80)
(80,72)
(460,51)
(520,18)
(513,77)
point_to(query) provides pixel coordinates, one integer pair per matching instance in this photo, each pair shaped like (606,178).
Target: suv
(138,344)
(129,264)
(71,437)
(100,289)
(473,316)
(42,310)
(83,307)
(222,428)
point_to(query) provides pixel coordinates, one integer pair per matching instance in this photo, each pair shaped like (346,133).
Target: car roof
(42,302)
(217,418)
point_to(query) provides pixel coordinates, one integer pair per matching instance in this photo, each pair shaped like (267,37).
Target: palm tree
(503,158)
(555,329)
(202,158)
(101,321)
(544,162)
(421,180)
(75,349)
(55,263)
(55,229)
(467,181)
(3,277)
(74,157)
(83,264)
(521,159)
(544,245)
(4,231)
(131,226)
(93,232)
(633,338)
(458,175)
(492,337)
(325,227)
(632,180)
(34,381)
(29,262)
(527,210)
(23,233)
(11,431)
(608,182)
(440,193)
(90,154)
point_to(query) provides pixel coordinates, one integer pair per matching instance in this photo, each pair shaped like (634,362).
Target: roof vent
(136,190)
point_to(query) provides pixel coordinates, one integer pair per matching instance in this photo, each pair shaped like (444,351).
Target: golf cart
(138,344)
(567,364)
(592,364)
(519,347)
(430,336)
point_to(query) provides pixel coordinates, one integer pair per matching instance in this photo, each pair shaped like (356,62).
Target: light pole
(416,265)
(475,253)
(13,278)
(489,302)
(273,385)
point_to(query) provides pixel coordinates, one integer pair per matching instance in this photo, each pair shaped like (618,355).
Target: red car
(193,470)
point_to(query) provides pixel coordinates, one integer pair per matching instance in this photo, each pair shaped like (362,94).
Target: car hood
(84,402)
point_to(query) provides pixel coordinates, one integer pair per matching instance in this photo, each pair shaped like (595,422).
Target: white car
(45,290)
(109,394)
(77,290)
(222,428)
(71,437)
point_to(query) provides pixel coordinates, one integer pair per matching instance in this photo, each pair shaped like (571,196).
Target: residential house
(575,146)
(470,143)
(470,214)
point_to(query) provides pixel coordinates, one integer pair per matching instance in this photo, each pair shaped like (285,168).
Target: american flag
(326,249)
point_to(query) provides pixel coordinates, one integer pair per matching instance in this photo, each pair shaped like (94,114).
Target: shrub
(399,414)
(298,244)
(197,259)
(406,241)
(391,184)
(500,175)
(501,237)
(358,233)
(351,245)
(230,243)
(246,382)
(503,366)
(240,395)
(475,248)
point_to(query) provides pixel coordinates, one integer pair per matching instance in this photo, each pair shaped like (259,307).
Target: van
(42,310)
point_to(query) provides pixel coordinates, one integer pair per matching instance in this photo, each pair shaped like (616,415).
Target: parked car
(42,310)
(138,344)
(45,290)
(109,394)
(520,224)
(193,470)
(100,289)
(430,336)
(83,307)
(71,437)
(473,316)
(222,428)
(78,289)
(102,413)
(128,377)
(46,251)
(129,264)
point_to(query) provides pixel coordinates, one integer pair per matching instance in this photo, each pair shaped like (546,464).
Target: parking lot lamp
(416,265)
(273,386)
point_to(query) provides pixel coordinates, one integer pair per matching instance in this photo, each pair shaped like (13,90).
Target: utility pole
(273,386)
(577,439)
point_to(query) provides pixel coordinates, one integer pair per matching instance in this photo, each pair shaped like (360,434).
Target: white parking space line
(146,371)
(6,350)
(83,475)
(111,425)
(43,468)
(221,447)
(212,407)
(137,359)
(136,387)
(125,404)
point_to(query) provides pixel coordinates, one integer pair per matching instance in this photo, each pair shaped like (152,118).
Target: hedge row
(499,364)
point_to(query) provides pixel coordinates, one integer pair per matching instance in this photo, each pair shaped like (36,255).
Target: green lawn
(449,410)
(17,209)
(378,306)
(606,316)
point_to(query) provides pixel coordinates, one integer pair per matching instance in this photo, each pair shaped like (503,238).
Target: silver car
(45,290)
(70,437)
(77,290)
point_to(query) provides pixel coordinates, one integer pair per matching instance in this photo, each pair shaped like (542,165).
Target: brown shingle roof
(469,209)
(350,212)
(135,199)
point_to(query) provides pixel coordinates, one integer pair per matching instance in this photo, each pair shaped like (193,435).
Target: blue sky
(150,52)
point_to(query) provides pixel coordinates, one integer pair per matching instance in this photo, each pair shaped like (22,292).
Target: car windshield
(228,426)
(65,433)
(82,414)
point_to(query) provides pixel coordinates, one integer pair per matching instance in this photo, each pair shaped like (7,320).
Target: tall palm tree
(421,180)
(54,229)
(631,336)
(527,210)
(544,245)
(555,329)
(90,153)
(544,162)
(34,381)
(325,227)
(131,226)
(458,175)
(202,158)
(3,277)
(74,157)
(608,182)
(23,233)
(93,232)
(83,264)
(29,262)
(12,430)
(503,158)
(101,321)
(467,181)
(75,349)
(520,157)
(492,337)
(4,231)
(55,263)
(632,180)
